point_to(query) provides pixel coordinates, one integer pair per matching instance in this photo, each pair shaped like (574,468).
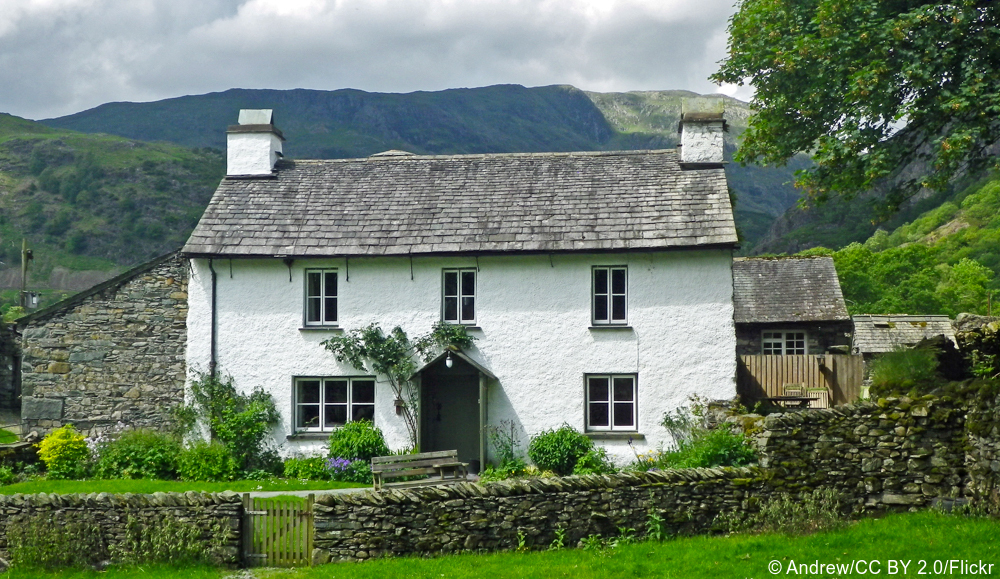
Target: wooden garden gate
(277,532)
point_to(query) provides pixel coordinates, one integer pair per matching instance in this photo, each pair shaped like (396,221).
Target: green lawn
(166,486)
(908,537)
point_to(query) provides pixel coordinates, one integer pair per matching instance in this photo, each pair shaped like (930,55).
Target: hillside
(504,118)
(944,261)
(92,204)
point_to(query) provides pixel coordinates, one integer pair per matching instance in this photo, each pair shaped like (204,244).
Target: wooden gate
(277,532)
(766,376)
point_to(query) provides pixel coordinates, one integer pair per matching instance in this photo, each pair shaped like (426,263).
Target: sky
(58,57)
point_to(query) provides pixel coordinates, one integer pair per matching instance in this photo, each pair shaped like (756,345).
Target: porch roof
(458,354)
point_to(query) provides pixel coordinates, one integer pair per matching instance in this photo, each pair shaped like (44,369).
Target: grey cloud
(59,62)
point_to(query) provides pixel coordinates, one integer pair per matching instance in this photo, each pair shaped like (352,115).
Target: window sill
(309,436)
(612,435)
(623,328)
(336,329)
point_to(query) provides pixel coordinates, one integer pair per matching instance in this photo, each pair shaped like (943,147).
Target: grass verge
(146,486)
(911,537)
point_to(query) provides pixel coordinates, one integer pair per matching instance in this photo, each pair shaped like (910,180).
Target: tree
(392,356)
(902,92)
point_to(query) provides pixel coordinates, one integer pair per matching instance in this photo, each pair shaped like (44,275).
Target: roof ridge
(417,157)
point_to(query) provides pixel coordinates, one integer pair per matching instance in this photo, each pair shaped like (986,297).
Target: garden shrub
(55,540)
(903,370)
(207,461)
(64,452)
(343,470)
(707,448)
(596,461)
(240,421)
(137,454)
(7,475)
(358,440)
(307,468)
(168,539)
(559,450)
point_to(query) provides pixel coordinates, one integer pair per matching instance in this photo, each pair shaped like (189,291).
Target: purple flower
(337,465)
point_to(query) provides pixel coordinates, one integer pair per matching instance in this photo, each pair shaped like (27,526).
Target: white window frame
(460,297)
(606,298)
(323,298)
(784,342)
(614,405)
(323,406)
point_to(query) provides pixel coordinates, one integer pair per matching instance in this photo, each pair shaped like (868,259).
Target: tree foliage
(869,87)
(392,356)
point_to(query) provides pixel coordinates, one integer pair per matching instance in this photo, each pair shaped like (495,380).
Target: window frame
(611,402)
(322,401)
(784,340)
(323,297)
(608,296)
(460,296)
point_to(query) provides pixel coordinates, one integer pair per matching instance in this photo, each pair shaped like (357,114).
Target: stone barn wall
(113,353)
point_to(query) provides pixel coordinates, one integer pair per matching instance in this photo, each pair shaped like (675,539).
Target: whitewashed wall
(535,336)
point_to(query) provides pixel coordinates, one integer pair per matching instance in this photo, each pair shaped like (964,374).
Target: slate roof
(410,204)
(787,289)
(875,334)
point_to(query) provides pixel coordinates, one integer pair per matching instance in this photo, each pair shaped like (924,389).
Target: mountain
(504,118)
(91,204)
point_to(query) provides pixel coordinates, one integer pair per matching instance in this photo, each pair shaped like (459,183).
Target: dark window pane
(313,284)
(308,391)
(331,284)
(618,281)
(468,283)
(308,416)
(623,414)
(363,391)
(336,391)
(600,281)
(330,312)
(363,412)
(312,313)
(451,283)
(601,308)
(451,309)
(623,389)
(598,415)
(597,389)
(617,307)
(468,309)
(336,414)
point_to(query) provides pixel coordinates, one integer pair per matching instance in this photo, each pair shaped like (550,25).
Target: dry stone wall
(893,454)
(208,512)
(114,355)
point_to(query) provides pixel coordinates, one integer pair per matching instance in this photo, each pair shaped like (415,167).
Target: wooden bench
(441,467)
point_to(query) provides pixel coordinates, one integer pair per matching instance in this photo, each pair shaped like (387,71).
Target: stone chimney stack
(254,145)
(701,129)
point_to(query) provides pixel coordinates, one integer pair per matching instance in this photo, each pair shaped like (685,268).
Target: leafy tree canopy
(869,87)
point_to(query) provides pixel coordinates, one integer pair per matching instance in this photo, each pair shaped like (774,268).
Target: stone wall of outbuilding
(115,353)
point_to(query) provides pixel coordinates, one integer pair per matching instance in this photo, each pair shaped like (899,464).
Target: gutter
(214,347)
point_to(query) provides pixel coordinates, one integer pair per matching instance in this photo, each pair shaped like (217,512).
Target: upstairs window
(458,302)
(784,343)
(611,402)
(321,297)
(610,295)
(328,403)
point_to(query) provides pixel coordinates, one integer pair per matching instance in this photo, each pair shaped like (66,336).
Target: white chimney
(254,145)
(702,126)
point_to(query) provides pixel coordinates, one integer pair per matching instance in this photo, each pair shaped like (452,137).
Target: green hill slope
(94,202)
(504,118)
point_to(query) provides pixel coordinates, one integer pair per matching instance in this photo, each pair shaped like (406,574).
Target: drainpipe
(212,360)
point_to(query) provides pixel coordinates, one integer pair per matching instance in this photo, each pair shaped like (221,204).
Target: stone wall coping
(129,500)
(517,487)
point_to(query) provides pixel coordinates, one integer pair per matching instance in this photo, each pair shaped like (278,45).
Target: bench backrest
(411,464)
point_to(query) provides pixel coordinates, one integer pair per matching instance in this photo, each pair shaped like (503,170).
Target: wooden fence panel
(761,376)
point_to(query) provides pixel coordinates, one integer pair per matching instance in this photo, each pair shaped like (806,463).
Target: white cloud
(62,56)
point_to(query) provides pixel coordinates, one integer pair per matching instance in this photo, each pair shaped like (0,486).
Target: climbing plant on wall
(394,356)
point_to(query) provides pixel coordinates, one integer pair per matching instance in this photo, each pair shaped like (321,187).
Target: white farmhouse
(598,286)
